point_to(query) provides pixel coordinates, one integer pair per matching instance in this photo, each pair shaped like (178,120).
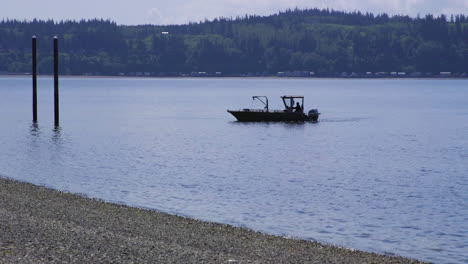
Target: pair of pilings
(56,80)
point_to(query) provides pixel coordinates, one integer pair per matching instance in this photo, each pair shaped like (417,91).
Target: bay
(385,169)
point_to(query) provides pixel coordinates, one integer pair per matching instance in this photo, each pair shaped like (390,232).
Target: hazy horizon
(184,11)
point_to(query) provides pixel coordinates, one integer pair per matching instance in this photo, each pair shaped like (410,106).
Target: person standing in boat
(298,108)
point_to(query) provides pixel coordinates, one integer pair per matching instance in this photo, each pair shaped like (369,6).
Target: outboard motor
(313,115)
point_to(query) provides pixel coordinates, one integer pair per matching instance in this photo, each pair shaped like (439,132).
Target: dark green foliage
(323,41)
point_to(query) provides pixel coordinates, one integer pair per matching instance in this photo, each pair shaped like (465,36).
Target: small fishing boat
(292,112)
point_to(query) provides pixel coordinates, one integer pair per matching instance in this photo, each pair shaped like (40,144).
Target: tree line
(322,41)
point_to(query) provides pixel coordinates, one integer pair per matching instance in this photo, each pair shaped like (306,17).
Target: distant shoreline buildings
(285,74)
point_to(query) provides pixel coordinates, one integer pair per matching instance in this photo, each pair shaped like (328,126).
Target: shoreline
(39,224)
(228,77)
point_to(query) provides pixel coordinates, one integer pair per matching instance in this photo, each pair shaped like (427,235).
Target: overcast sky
(132,12)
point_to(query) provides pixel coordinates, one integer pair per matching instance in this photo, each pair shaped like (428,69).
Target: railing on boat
(260,110)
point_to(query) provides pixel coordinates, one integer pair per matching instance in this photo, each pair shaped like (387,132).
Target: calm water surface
(386,169)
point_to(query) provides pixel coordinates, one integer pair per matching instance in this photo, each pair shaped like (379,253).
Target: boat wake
(339,120)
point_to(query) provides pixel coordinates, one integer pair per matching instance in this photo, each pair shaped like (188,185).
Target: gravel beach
(41,225)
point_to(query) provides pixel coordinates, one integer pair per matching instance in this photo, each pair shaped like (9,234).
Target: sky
(163,12)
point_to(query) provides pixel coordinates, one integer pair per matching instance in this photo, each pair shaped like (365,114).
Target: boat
(291,112)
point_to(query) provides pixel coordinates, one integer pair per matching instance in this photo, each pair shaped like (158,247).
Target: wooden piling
(34,78)
(56,82)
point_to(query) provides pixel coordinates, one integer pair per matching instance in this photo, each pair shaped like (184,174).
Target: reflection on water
(34,129)
(384,170)
(57,135)
(273,124)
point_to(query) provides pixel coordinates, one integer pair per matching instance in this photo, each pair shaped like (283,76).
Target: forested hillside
(323,41)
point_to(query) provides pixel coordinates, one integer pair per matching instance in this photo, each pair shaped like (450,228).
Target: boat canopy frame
(291,98)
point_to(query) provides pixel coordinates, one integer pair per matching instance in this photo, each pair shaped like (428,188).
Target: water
(386,169)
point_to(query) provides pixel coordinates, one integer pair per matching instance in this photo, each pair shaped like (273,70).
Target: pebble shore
(41,225)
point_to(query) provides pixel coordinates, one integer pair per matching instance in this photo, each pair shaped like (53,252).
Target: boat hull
(248,116)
